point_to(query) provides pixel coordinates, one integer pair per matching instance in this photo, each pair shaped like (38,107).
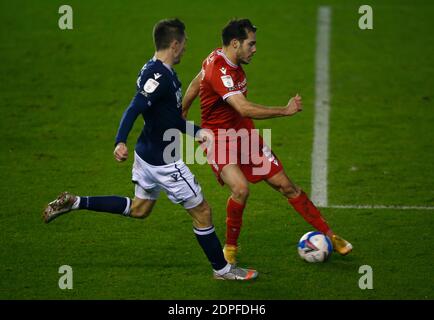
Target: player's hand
(295,104)
(121,152)
(205,136)
(184,113)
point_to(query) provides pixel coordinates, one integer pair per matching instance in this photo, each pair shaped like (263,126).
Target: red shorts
(248,151)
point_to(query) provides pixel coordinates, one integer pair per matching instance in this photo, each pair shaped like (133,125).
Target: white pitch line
(321,127)
(322,109)
(367,206)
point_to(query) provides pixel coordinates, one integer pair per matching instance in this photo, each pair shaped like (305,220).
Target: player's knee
(240,193)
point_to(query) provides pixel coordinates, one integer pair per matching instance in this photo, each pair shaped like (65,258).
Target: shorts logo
(269,155)
(174,176)
(214,164)
(150,85)
(227,81)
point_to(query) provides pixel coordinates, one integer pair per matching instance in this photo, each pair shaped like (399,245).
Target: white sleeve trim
(227,95)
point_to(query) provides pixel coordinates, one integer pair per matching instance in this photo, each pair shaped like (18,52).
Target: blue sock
(210,244)
(112,204)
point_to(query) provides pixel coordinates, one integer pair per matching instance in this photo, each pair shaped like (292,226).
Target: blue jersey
(159,100)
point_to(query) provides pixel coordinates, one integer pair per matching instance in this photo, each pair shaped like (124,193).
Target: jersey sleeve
(222,81)
(149,91)
(152,86)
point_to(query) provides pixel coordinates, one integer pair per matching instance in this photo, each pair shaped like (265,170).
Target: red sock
(234,220)
(309,212)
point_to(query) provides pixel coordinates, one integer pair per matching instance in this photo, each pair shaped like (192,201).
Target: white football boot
(236,273)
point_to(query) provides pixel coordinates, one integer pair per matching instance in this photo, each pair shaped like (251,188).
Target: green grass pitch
(62,94)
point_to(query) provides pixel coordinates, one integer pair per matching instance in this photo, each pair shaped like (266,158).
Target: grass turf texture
(61,99)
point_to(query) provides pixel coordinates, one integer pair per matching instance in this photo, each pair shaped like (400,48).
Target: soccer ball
(315,246)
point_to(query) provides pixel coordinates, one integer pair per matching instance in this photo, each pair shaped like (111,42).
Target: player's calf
(140,214)
(201,215)
(141,208)
(284,185)
(290,191)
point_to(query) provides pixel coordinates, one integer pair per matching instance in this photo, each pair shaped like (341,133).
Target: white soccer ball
(315,246)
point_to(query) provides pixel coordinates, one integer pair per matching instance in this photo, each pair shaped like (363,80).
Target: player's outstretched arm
(191,94)
(130,115)
(256,111)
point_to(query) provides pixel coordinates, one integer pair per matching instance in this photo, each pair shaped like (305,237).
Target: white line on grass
(321,126)
(367,206)
(322,109)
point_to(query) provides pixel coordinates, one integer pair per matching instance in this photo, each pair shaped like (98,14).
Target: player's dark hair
(237,29)
(165,31)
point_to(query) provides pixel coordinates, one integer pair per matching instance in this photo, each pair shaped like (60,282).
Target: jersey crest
(150,85)
(227,80)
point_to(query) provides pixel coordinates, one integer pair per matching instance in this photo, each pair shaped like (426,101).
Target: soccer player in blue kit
(159,100)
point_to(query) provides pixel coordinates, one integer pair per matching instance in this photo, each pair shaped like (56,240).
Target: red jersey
(220,80)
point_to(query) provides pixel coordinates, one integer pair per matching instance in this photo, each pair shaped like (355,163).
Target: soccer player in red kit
(222,87)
